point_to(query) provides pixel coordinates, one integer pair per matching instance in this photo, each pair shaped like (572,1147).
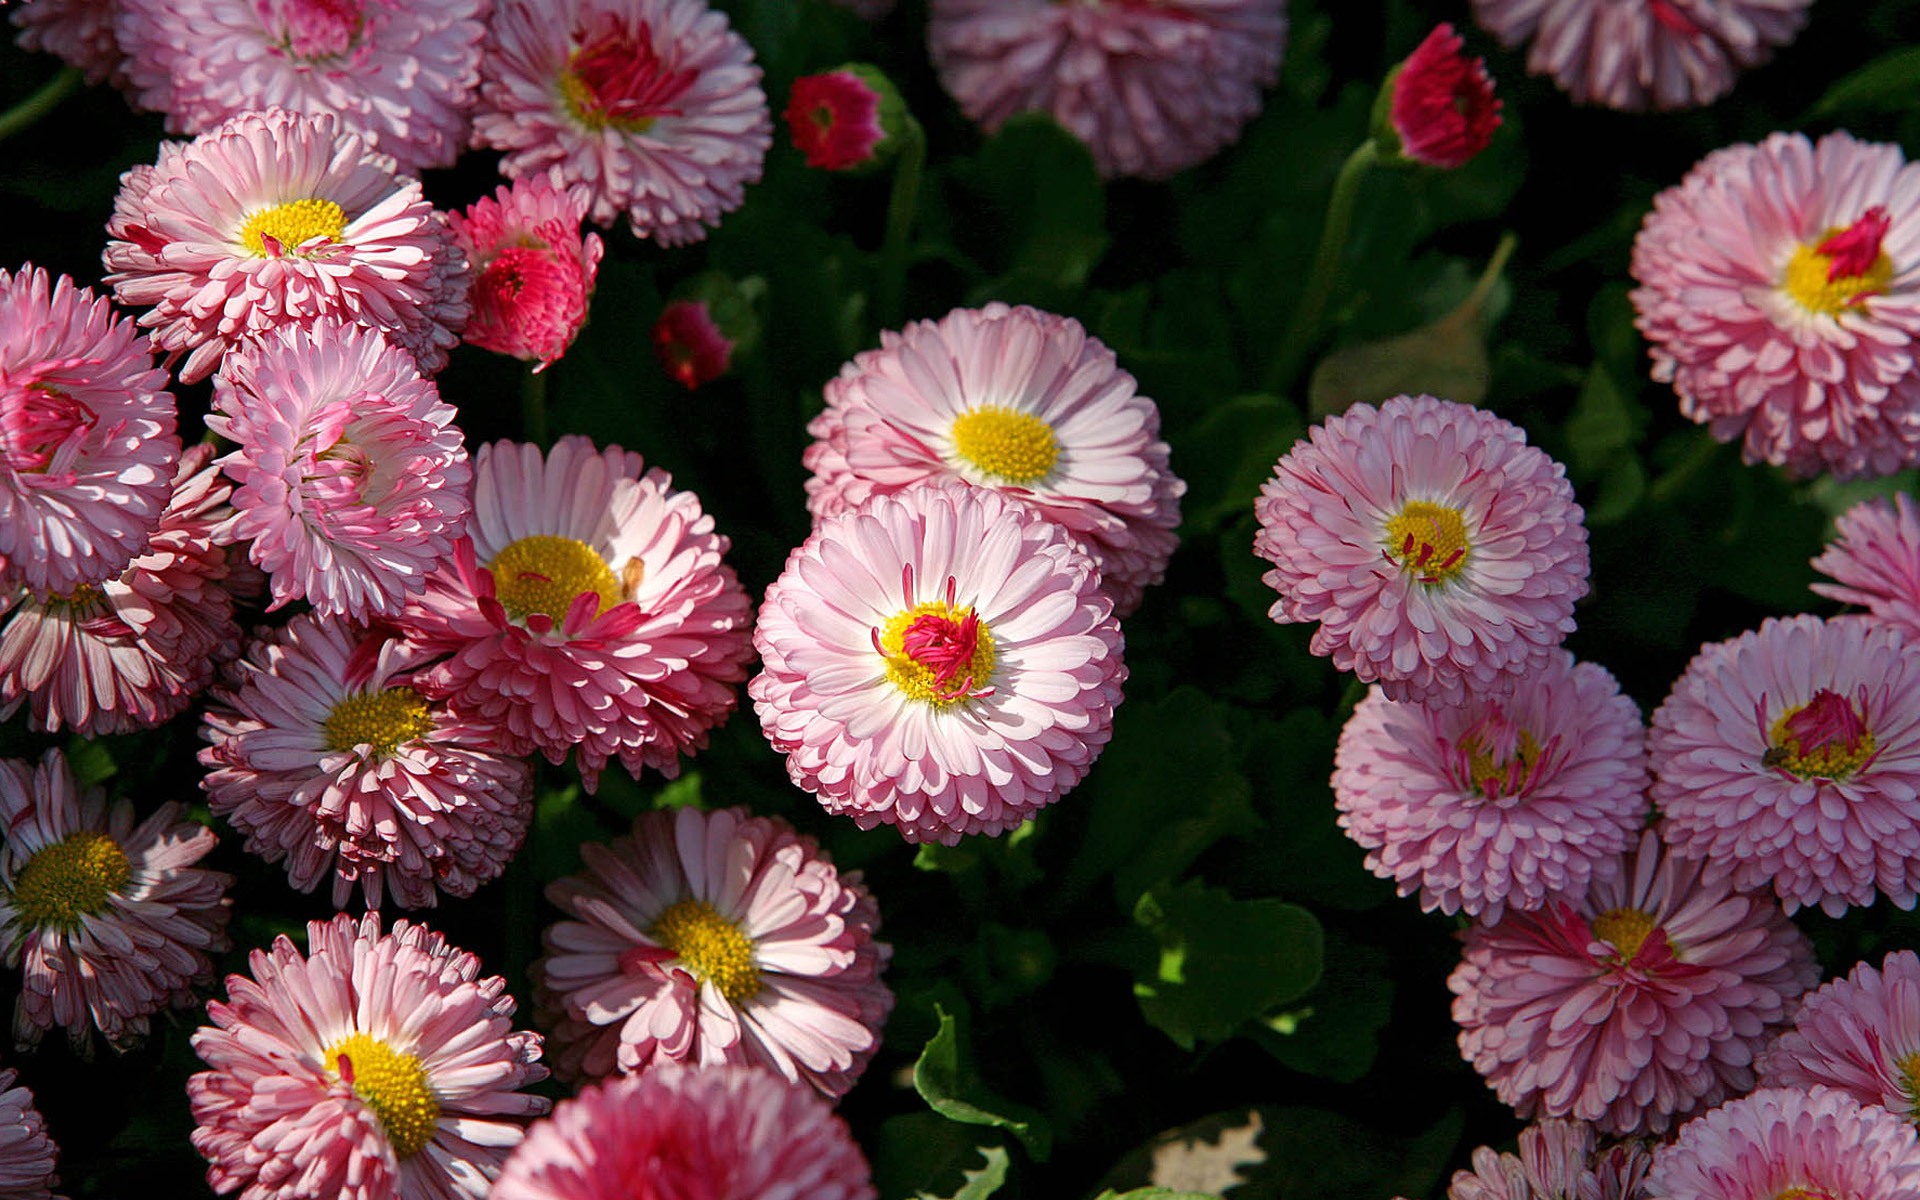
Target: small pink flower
(27,1154)
(1442,111)
(533,272)
(1860,1034)
(834,118)
(690,345)
(80,32)
(1789,1144)
(1558,1160)
(1875,562)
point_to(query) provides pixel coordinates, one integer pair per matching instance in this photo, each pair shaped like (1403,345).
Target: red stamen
(1672,18)
(1852,252)
(624,75)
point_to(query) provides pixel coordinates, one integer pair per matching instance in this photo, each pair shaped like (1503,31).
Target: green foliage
(945,1079)
(1220,962)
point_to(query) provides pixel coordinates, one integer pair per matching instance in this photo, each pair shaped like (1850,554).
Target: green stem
(38,105)
(902,205)
(1303,331)
(1490,278)
(533,407)
(1703,451)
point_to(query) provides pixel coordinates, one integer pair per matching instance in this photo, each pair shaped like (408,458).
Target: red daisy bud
(1438,106)
(846,119)
(709,321)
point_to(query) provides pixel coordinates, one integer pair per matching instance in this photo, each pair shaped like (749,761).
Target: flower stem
(902,205)
(1303,331)
(533,407)
(42,102)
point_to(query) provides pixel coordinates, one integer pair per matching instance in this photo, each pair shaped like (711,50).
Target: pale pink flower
(650,108)
(722,1133)
(941,660)
(1780,292)
(1017,400)
(27,1154)
(350,477)
(1151,86)
(277,218)
(1558,1160)
(105,914)
(1860,1034)
(79,31)
(588,607)
(402,74)
(1640,54)
(1635,1006)
(1440,106)
(533,272)
(1440,554)
(372,1067)
(327,755)
(1875,562)
(1788,1144)
(87,442)
(1502,801)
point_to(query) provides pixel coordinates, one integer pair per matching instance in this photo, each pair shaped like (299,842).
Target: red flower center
(1672,19)
(321,28)
(1852,252)
(1825,738)
(617,78)
(37,422)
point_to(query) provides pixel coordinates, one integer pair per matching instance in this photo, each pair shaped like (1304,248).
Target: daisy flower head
(279,218)
(1659,54)
(87,442)
(941,660)
(1636,1005)
(1780,292)
(714,937)
(1875,562)
(1151,88)
(1860,1034)
(651,108)
(1789,758)
(328,756)
(1499,802)
(376,1066)
(717,1133)
(588,607)
(104,914)
(691,347)
(533,272)
(80,32)
(1790,1144)
(1440,554)
(403,75)
(848,119)
(1558,1160)
(1438,105)
(350,477)
(1016,400)
(27,1153)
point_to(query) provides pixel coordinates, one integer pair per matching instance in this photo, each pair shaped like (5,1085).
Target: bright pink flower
(81,33)
(589,606)
(1639,54)
(328,756)
(26,1152)
(1558,1160)
(1440,554)
(401,74)
(373,1067)
(941,660)
(1788,1144)
(1780,290)
(109,921)
(533,272)
(350,477)
(1019,401)
(1635,1006)
(691,348)
(1860,1034)
(87,443)
(1499,802)
(714,938)
(722,1133)
(651,108)
(1875,562)
(1442,109)
(278,218)
(834,118)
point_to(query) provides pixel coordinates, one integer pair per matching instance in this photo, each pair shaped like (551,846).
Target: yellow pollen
(81,597)
(1836,760)
(584,107)
(1807,1193)
(383,720)
(1429,541)
(70,879)
(922,681)
(543,574)
(710,946)
(1625,928)
(1806,280)
(1909,1067)
(1490,776)
(1014,446)
(393,1085)
(291,224)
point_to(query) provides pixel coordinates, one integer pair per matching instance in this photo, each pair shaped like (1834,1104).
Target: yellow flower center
(1909,1067)
(1807,1193)
(1626,929)
(290,225)
(1015,446)
(1825,738)
(1809,280)
(710,946)
(1428,541)
(383,720)
(543,574)
(393,1085)
(937,653)
(1496,777)
(70,879)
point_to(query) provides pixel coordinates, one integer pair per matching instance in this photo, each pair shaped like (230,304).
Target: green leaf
(944,1077)
(91,761)
(1221,962)
(1153,1193)
(1890,83)
(1033,187)
(982,1183)
(1338,1035)
(1230,452)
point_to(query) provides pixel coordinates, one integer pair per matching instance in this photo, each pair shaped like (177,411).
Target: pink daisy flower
(1657,54)
(79,31)
(1500,802)
(1787,1144)
(940,660)
(1151,86)
(533,272)
(27,1154)
(692,350)
(87,443)
(132,652)
(588,606)
(350,477)
(1790,758)
(835,120)
(1441,107)
(327,755)
(1013,399)
(724,1133)
(1780,289)
(1558,1160)
(715,938)
(1635,1006)
(278,218)
(1875,562)
(652,108)
(1860,1034)
(108,920)
(373,1067)
(1440,554)
(402,75)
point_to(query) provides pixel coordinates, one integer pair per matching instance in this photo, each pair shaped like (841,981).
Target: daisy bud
(1437,108)
(709,322)
(533,272)
(848,119)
